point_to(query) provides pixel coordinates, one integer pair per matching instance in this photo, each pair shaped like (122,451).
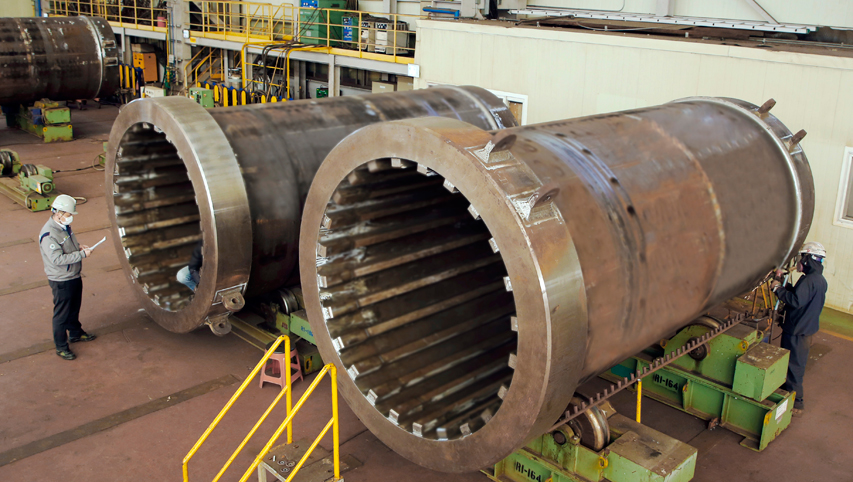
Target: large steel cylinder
(59,58)
(237,177)
(466,282)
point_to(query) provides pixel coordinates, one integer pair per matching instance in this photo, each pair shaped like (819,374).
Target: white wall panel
(837,13)
(569,74)
(17,8)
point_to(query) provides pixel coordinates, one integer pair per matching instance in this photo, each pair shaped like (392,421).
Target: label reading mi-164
(666,382)
(530,471)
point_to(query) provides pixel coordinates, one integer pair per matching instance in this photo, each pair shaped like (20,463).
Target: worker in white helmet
(63,261)
(803,304)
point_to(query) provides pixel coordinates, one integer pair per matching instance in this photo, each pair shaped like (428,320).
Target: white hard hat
(66,203)
(814,248)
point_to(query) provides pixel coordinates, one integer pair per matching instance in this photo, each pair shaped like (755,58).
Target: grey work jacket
(60,251)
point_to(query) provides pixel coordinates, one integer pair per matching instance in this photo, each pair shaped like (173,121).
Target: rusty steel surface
(59,58)
(468,281)
(237,177)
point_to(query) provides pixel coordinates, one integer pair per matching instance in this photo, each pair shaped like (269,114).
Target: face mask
(66,221)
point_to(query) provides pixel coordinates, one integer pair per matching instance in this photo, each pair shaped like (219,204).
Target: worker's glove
(775,284)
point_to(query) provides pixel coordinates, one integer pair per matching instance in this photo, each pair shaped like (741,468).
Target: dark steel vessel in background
(237,177)
(59,58)
(467,281)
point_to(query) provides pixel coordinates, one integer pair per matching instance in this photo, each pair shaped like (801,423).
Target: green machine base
(31,200)
(29,185)
(732,382)
(202,96)
(46,119)
(297,327)
(636,453)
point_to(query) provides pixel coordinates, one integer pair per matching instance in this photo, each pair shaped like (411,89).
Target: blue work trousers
(67,298)
(799,347)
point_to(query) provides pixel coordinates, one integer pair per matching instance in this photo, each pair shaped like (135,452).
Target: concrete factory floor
(136,399)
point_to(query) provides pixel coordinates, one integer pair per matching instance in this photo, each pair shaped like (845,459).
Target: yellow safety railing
(353,33)
(367,33)
(193,79)
(332,424)
(208,65)
(280,68)
(286,390)
(239,20)
(139,14)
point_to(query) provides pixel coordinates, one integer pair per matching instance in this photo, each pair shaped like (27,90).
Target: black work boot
(799,408)
(84,337)
(66,354)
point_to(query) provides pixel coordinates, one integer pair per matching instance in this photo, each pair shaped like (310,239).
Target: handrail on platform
(285,390)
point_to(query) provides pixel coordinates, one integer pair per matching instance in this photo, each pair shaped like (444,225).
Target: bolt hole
(631,210)
(614,180)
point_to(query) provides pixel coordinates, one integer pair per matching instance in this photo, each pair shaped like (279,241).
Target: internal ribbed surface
(156,213)
(415,299)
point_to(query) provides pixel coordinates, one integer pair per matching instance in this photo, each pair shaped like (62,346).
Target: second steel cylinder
(59,58)
(237,177)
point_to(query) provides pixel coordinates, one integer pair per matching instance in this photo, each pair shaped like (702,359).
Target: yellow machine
(147,61)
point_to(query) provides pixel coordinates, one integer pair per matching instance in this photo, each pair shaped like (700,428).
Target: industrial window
(844,205)
(517,104)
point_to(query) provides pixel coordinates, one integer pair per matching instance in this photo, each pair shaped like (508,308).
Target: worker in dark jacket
(63,260)
(189,275)
(804,302)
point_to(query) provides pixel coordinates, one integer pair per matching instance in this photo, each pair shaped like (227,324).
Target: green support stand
(202,96)
(296,324)
(636,454)
(29,185)
(46,119)
(736,385)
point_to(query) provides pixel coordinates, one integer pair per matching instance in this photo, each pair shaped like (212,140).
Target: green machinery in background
(30,185)
(202,96)
(733,381)
(601,445)
(280,313)
(102,157)
(291,319)
(316,23)
(46,119)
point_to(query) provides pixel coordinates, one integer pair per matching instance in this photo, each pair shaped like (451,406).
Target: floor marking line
(16,242)
(838,335)
(24,287)
(48,345)
(114,420)
(38,284)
